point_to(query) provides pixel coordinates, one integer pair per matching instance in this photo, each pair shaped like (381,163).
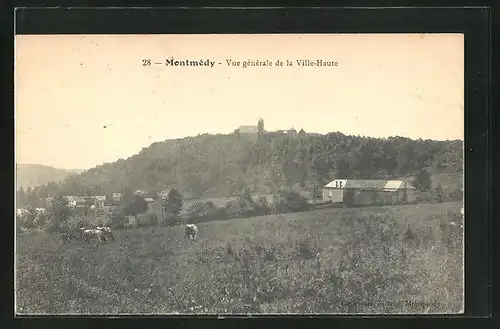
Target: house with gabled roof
(368,192)
(75,201)
(99,200)
(116,196)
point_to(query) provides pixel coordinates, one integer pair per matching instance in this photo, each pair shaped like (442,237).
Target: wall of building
(410,196)
(333,195)
(369,197)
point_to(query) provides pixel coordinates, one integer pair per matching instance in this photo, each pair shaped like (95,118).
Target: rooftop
(384,185)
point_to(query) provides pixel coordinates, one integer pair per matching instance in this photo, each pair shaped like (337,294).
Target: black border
(475,23)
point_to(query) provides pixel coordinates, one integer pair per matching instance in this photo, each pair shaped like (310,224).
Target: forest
(264,163)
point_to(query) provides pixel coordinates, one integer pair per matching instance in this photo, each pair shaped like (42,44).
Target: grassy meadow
(399,259)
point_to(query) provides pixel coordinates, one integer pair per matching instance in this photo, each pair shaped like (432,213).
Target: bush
(58,214)
(455,195)
(135,206)
(116,218)
(88,221)
(153,219)
(439,195)
(201,211)
(262,206)
(289,201)
(422,180)
(239,208)
(172,220)
(29,218)
(147,220)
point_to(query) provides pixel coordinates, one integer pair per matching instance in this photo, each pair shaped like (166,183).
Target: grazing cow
(88,234)
(107,234)
(190,231)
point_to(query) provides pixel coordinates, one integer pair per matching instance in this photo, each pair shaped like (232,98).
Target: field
(399,259)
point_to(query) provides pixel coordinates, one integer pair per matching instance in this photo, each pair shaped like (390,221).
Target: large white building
(366,192)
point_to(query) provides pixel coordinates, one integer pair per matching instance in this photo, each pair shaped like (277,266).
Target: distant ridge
(31,175)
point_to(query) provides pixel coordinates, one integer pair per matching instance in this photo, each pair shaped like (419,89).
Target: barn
(368,192)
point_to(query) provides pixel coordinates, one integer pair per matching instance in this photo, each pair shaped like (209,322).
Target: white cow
(88,234)
(106,232)
(190,231)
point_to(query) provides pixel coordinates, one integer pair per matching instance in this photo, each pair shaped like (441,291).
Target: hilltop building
(247,130)
(290,131)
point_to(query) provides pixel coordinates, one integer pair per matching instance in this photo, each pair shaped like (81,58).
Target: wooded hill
(223,165)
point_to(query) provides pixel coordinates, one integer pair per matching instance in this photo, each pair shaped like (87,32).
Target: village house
(149,201)
(80,201)
(75,201)
(48,201)
(116,196)
(140,192)
(99,201)
(71,200)
(368,192)
(163,194)
(20,212)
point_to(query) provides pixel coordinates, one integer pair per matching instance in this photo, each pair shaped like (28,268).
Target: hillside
(222,165)
(31,175)
(325,261)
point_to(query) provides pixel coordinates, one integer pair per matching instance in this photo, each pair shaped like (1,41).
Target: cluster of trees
(223,165)
(245,205)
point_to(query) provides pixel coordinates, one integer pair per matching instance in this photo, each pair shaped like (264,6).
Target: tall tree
(21,198)
(136,205)
(58,213)
(172,206)
(422,180)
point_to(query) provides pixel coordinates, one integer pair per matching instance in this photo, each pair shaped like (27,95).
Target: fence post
(314,195)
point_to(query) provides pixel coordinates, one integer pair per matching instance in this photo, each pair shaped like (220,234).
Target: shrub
(149,219)
(116,218)
(201,211)
(239,208)
(153,219)
(262,206)
(172,219)
(289,201)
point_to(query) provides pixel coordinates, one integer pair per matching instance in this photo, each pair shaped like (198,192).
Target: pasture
(398,259)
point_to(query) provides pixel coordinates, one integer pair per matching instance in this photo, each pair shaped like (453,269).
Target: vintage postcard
(236,174)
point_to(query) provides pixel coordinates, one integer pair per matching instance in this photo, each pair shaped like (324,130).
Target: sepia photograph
(222,174)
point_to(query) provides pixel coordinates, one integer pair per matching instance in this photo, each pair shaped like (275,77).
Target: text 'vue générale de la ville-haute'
(250,63)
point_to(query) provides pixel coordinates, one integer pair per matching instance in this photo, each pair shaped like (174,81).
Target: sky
(83,100)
